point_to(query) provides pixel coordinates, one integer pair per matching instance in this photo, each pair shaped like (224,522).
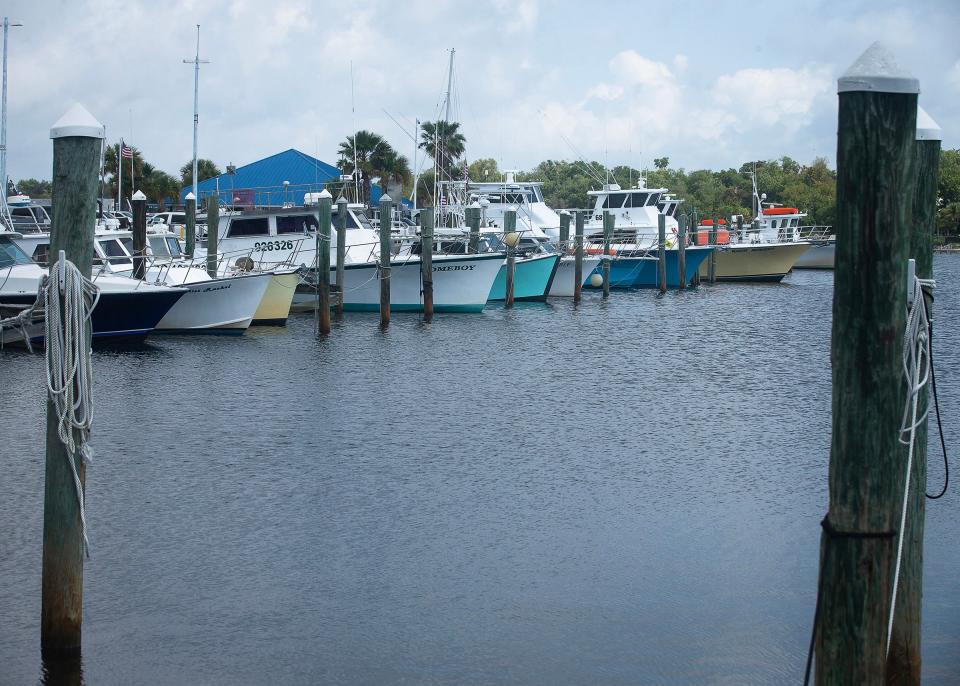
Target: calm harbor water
(624,492)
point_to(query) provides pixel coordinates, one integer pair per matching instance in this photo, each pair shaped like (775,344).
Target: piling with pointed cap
(138,202)
(77,138)
(213,226)
(578,257)
(876,153)
(662,253)
(386,205)
(608,220)
(903,660)
(509,226)
(473,221)
(190,210)
(341,250)
(682,250)
(323,263)
(426,259)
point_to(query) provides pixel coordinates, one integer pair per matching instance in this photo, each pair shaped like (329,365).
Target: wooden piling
(510,227)
(213,226)
(876,178)
(77,138)
(323,263)
(386,206)
(138,202)
(342,211)
(903,660)
(682,250)
(426,259)
(578,258)
(608,220)
(190,218)
(712,264)
(695,223)
(473,221)
(564,231)
(662,252)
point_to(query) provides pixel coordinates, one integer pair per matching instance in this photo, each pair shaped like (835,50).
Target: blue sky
(705,84)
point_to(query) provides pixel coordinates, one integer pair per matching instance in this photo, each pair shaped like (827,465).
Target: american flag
(125,150)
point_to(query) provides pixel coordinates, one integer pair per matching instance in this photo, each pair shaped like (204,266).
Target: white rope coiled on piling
(69,302)
(916,369)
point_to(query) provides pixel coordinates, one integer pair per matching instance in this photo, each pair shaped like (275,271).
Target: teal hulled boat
(531,280)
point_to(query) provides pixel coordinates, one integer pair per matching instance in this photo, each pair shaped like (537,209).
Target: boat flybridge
(780,223)
(274,236)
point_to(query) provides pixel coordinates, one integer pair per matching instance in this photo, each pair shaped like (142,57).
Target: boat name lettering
(216,288)
(273,245)
(453,267)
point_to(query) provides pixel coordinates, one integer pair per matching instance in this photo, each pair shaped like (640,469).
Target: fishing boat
(127,310)
(764,251)
(287,236)
(635,236)
(822,250)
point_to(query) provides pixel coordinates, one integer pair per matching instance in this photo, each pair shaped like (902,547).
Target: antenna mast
(196,61)
(3,126)
(353,114)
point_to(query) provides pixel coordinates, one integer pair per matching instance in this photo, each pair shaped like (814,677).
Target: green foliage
(374,157)
(35,188)
(948,191)
(206,169)
(445,136)
(484,169)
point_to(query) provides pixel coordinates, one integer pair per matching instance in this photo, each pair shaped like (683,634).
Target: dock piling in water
(190,219)
(578,258)
(138,202)
(426,259)
(386,223)
(213,226)
(510,236)
(876,177)
(682,250)
(608,220)
(662,252)
(341,250)
(903,660)
(712,264)
(77,138)
(323,263)
(473,221)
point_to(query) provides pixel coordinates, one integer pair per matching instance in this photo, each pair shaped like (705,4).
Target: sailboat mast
(3,125)
(353,113)
(196,109)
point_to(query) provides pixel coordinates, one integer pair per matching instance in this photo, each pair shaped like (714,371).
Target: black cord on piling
(936,406)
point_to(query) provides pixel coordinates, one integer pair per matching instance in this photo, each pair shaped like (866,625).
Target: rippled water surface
(624,492)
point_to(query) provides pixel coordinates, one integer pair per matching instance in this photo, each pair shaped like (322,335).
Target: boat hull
(820,255)
(531,280)
(460,284)
(693,258)
(218,306)
(274,308)
(563,283)
(762,262)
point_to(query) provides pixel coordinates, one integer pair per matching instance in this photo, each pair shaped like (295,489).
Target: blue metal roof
(261,182)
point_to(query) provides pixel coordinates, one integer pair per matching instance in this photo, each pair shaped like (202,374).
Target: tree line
(809,187)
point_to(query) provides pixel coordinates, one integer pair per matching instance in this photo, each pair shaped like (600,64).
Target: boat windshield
(11,254)
(174,245)
(114,252)
(158,247)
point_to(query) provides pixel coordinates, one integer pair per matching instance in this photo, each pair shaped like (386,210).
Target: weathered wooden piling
(323,263)
(341,250)
(473,221)
(564,231)
(876,158)
(386,206)
(77,138)
(138,202)
(213,227)
(662,253)
(608,220)
(190,219)
(712,263)
(695,224)
(510,237)
(903,660)
(578,257)
(426,259)
(682,250)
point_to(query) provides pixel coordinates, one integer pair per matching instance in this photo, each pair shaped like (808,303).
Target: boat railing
(815,232)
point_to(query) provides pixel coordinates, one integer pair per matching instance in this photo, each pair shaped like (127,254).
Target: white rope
(916,369)
(69,302)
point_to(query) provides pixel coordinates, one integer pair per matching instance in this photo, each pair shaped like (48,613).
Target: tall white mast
(438,138)
(196,61)
(3,122)
(353,116)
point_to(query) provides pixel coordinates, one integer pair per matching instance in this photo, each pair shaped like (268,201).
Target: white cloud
(953,76)
(631,68)
(518,17)
(772,96)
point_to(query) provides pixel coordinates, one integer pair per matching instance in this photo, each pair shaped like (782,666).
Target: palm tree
(445,137)
(366,147)
(111,154)
(390,166)
(206,169)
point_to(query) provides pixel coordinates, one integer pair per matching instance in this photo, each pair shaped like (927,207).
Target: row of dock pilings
(866,627)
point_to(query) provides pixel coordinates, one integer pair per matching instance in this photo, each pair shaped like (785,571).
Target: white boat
(288,237)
